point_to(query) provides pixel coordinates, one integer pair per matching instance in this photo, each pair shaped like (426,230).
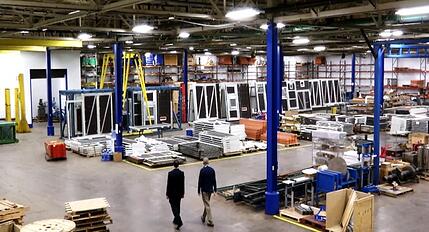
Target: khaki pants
(207,214)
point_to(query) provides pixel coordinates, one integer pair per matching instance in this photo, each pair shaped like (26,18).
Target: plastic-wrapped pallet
(239,131)
(229,143)
(420,125)
(400,125)
(205,125)
(329,134)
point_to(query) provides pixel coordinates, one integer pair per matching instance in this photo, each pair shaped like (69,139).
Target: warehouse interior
(313,113)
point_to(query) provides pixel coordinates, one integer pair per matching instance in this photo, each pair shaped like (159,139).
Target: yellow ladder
(126,71)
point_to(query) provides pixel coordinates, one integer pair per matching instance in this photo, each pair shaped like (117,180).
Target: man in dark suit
(206,187)
(175,192)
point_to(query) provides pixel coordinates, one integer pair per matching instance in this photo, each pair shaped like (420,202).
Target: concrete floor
(137,196)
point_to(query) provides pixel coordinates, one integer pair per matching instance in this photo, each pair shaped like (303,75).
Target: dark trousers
(175,208)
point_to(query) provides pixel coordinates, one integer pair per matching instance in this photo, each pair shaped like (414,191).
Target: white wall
(13,63)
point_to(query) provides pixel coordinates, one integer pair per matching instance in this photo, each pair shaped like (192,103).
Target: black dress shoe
(203,219)
(210,224)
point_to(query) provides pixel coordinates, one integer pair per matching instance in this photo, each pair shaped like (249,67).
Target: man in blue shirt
(206,187)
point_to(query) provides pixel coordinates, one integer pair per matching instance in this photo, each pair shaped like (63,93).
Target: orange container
(55,149)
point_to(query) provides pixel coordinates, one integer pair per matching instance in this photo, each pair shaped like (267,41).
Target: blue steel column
(378,101)
(280,75)
(51,130)
(353,75)
(185,80)
(117,50)
(272,200)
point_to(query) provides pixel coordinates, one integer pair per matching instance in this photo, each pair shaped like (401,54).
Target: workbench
(158,127)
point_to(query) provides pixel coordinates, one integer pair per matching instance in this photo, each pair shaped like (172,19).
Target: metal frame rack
(154,105)
(100,100)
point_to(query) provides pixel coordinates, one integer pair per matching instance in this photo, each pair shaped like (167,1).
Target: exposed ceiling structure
(337,24)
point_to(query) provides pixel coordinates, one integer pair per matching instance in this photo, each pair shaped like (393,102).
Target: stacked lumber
(254,128)
(284,138)
(10,211)
(89,215)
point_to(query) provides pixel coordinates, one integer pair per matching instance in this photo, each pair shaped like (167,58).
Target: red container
(55,149)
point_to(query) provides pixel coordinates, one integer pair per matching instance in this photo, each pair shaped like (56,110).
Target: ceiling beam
(34,4)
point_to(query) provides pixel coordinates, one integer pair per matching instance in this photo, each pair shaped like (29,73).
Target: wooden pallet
(89,215)
(387,189)
(292,145)
(311,222)
(11,211)
(424,176)
(86,205)
(232,153)
(290,213)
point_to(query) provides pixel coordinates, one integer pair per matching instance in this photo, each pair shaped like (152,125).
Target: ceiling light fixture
(280,25)
(319,48)
(243,14)
(191,48)
(137,44)
(264,26)
(385,34)
(171,18)
(235,53)
(233,44)
(24,32)
(169,44)
(299,40)
(173,52)
(249,47)
(142,28)
(184,35)
(129,42)
(44,29)
(421,10)
(84,36)
(91,46)
(397,33)
(74,12)
(207,53)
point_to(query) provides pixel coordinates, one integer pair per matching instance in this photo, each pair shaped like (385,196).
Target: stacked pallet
(89,215)
(287,139)
(254,128)
(10,211)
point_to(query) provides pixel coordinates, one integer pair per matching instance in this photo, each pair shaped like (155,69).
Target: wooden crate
(10,211)
(418,138)
(361,210)
(170,59)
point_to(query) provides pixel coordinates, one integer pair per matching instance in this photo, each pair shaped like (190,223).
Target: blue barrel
(190,132)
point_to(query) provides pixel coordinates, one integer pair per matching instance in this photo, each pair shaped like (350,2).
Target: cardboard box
(225,60)
(117,156)
(170,60)
(418,138)
(346,204)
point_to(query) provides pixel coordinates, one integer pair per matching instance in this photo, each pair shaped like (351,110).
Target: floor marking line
(296,223)
(216,160)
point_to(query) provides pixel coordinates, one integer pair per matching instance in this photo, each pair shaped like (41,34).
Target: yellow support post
(7,105)
(105,65)
(17,118)
(126,72)
(23,124)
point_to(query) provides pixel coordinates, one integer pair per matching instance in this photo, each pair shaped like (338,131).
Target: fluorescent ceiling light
(184,35)
(171,18)
(91,46)
(169,44)
(191,48)
(235,53)
(233,44)
(249,47)
(142,28)
(280,25)
(44,29)
(84,36)
(385,34)
(246,13)
(397,33)
(137,44)
(106,47)
(207,53)
(299,40)
(206,50)
(24,32)
(129,42)
(421,10)
(319,48)
(173,52)
(130,50)
(303,49)
(264,26)
(74,12)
